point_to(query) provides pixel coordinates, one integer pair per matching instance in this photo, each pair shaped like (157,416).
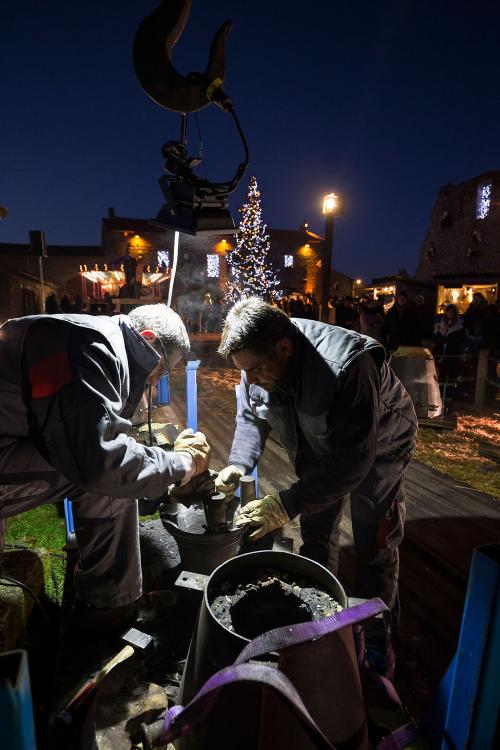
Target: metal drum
(324,672)
(416,369)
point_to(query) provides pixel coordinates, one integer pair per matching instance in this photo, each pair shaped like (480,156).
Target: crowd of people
(407,322)
(410,322)
(53,306)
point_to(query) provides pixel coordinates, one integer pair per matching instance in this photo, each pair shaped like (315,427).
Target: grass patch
(42,529)
(457,453)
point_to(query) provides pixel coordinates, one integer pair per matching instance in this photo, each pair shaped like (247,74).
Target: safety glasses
(165,365)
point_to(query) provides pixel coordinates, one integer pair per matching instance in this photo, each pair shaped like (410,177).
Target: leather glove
(227,480)
(267,514)
(198,488)
(194,443)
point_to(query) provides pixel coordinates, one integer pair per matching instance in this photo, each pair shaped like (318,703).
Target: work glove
(267,514)
(194,443)
(194,491)
(227,480)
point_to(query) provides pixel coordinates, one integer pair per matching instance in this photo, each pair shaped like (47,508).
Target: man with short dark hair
(69,385)
(348,425)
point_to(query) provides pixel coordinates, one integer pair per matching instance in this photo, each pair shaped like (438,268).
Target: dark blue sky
(383,102)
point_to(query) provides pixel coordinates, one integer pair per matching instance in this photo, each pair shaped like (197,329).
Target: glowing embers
(483,202)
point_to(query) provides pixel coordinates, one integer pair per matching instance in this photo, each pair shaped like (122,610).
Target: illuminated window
(288,261)
(213,266)
(483,201)
(163,258)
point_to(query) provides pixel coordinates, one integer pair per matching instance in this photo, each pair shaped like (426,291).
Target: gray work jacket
(71,383)
(344,408)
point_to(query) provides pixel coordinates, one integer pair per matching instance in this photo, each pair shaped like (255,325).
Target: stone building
(461,250)
(99,270)
(296,256)
(20,287)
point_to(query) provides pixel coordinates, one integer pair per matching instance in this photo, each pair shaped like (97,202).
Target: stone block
(16,604)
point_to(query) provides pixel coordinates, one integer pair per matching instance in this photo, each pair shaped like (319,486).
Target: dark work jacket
(343,407)
(71,383)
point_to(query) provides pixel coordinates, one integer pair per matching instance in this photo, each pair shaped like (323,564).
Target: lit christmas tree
(250,272)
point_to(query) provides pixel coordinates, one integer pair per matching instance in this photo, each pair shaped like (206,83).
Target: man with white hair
(69,385)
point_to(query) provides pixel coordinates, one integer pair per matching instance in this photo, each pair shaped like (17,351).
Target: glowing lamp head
(331,203)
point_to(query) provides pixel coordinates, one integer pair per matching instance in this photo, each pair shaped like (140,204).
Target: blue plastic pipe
(192,394)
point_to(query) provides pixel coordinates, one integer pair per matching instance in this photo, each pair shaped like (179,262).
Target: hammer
(137,642)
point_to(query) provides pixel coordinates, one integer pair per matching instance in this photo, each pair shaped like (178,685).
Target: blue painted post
(68,518)
(474,704)
(17,730)
(465,710)
(163,391)
(192,394)
(254,472)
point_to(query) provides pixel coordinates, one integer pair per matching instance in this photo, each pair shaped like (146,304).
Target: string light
(288,261)
(213,266)
(483,201)
(250,272)
(163,258)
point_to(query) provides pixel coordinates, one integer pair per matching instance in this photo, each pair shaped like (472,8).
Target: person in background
(371,320)
(77,305)
(475,320)
(346,315)
(65,304)
(425,321)
(449,338)
(51,305)
(401,324)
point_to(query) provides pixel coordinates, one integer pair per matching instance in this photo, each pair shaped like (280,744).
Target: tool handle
(92,682)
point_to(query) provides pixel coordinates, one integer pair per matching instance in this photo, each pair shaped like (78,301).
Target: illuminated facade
(461,250)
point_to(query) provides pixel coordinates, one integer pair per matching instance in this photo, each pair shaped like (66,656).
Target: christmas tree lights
(250,272)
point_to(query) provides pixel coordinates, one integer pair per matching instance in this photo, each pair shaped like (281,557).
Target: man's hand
(194,443)
(227,480)
(199,487)
(267,514)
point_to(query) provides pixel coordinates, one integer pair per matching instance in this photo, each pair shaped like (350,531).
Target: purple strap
(291,635)
(179,721)
(400,738)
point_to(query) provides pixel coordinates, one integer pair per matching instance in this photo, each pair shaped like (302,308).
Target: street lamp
(332,205)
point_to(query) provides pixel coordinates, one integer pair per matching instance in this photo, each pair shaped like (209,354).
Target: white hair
(164,322)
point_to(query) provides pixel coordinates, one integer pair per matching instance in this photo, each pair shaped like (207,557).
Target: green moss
(42,529)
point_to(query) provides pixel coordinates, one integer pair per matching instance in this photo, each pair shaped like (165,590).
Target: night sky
(383,102)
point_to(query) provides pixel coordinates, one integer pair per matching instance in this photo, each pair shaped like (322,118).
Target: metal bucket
(416,369)
(324,672)
(201,547)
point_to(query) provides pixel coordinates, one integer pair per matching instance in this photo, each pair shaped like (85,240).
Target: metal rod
(327,268)
(42,293)
(174,269)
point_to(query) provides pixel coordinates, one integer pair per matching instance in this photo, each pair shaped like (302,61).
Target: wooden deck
(445,522)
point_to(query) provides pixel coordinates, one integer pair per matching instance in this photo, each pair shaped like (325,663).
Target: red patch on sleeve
(49,375)
(382,529)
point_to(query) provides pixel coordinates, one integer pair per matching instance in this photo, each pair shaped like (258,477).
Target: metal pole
(192,394)
(42,293)
(327,267)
